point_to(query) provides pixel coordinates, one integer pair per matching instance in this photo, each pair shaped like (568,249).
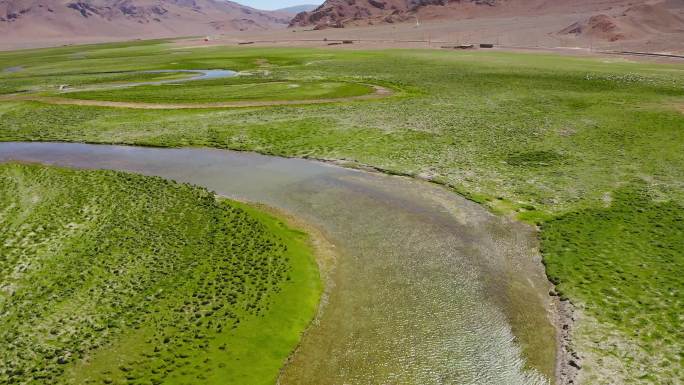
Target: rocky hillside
(64,19)
(634,22)
(338,13)
(605,19)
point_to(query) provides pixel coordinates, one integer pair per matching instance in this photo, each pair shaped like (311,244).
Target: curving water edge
(426,286)
(200,75)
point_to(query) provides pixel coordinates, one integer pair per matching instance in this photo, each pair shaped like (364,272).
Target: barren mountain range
(22,20)
(654,25)
(614,19)
(634,24)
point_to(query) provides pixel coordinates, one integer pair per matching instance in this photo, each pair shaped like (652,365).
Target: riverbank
(317,280)
(534,136)
(409,252)
(326,259)
(528,335)
(186,287)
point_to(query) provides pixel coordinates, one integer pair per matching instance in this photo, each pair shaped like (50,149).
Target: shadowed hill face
(336,13)
(36,19)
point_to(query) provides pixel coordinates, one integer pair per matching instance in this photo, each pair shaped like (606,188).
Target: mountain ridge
(581,21)
(295,9)
(96,20)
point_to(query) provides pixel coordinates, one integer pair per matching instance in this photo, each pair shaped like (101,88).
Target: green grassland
(590,148)
(51,83)
(110,277)
(625,261)
(222,90)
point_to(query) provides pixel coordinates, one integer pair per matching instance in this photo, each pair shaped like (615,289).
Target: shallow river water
(199,75)
(428,287)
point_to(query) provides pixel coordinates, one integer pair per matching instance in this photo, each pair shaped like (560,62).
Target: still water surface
(199,75)
(426,283)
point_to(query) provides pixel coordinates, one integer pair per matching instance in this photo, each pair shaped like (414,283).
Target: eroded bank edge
(323,251)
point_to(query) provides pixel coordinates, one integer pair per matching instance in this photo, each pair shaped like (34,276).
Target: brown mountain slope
(652,25)
(96,20)
(340,13)
(337,13)
(635,22)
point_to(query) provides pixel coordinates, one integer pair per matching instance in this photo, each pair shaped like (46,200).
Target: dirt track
(378,93)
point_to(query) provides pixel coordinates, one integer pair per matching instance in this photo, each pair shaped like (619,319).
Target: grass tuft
(119,278)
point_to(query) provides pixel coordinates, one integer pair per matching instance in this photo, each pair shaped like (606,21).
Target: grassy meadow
(626,259)
(116,278)
(589,148)
(223,90)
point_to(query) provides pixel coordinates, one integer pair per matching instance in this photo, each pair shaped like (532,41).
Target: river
(428,288)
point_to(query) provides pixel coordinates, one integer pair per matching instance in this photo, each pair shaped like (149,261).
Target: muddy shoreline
(568,361)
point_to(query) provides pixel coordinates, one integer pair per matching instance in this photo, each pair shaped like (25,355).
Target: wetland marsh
(108,277)
(590,150)
(428,287)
